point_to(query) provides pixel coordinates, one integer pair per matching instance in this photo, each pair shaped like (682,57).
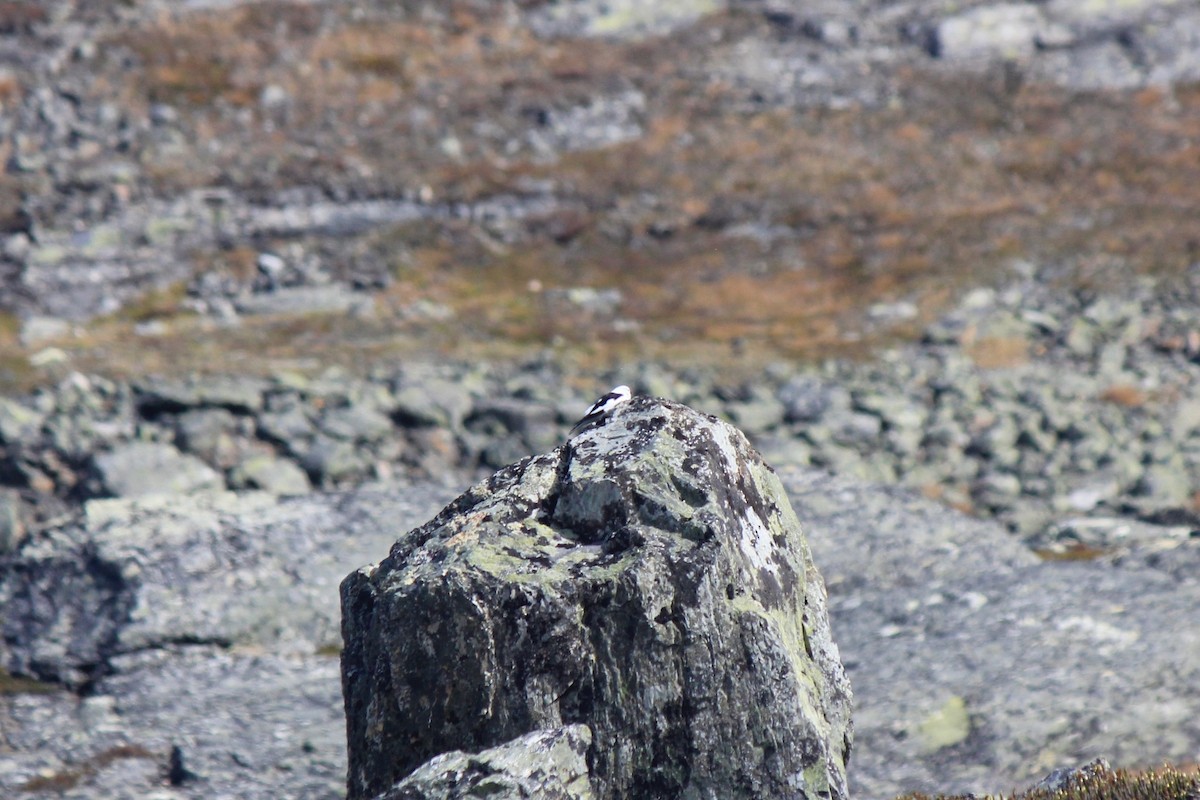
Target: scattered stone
(287,422)
(240,394)
(1002,31)
(756,416)
(18,422)
(209,434)
(330,462)
(1164,486)
(135,469)
(12,526)
(278,476)
(355,423)
(438,403)
(806,398)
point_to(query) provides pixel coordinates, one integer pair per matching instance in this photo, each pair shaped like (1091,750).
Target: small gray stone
(242,394)
(290,426)
(134,469)
(1081,336)
(18,422)
(998,442)
(757,415)
(1164,486)
(946,433)
(12,527)
(433,403)
(278,476)
(996,489)
(896,411)
(330,460)
(1110,360)
(854,427)
(805,398)
(355,423)
(209,434)
(1092,493)
(1002,31)
(1184,418)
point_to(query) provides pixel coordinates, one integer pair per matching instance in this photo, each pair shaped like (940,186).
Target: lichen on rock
(647,579)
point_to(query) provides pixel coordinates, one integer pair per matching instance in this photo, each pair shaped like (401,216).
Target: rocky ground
(1070,415)
(259,184)
(288,248)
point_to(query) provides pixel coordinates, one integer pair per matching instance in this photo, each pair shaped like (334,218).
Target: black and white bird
(601,408)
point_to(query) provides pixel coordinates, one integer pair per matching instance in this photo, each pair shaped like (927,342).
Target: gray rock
(1108,535)
(853,428)
(433,402)
(623,18)
(994,31)
(1091,492)
(805,398)
(241,394)
(1090,66)
(1174,50)
(996,490)
(757,415)
(534,424)
(944,431)
(12,526)
(133,469)
(1184,418)
(208,433)
(545,764)
(288,423)
(896,411)
(650,580)
(1164,486)
(997,443)
(332,461)
(355,423)
(146,574)
(18,422)
(929,605)
(1082,336)
(1103,13)
(277,476)
(1061,779)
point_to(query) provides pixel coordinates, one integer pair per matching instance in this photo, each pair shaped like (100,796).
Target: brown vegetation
(754,229)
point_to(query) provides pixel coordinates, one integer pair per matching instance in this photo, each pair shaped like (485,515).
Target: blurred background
(266,185)
(301,245)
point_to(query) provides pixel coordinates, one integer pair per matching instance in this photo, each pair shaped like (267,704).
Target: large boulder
(649,580)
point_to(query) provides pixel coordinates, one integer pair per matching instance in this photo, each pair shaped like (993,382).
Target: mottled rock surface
(647,579)
(976,666)
(202,626)
(546,764)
